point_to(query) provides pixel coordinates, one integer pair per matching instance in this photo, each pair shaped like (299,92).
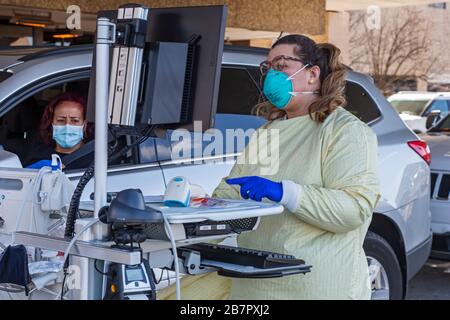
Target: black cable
(161,277)
(154,275)
(87,176)
(75,201)
(159,164)
(99,271)
(63,284)
(168,277)
(84,180)
(163,174)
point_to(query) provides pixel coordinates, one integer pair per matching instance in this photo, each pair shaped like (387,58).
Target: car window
(360,103)
(239,91)
(238,95)
(19,127)
(411,107)
(147,152)
(438,105)
(19,131)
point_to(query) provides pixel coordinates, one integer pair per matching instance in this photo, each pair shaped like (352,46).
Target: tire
(383,262)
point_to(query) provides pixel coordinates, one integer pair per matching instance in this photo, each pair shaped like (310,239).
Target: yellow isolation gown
(333,167)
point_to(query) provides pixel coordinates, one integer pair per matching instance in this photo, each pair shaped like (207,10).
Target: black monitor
(182,66)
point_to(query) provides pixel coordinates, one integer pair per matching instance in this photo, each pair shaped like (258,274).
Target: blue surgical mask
(279,88)
(68,136)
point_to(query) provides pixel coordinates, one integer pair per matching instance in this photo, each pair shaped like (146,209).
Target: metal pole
(105,37)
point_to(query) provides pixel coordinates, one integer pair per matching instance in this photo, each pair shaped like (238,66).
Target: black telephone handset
(129,208)
(128,216)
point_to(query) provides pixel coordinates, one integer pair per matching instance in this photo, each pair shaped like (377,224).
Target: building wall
(338,32)
(299,16)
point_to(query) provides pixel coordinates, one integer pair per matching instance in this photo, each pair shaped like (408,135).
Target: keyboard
(245,257)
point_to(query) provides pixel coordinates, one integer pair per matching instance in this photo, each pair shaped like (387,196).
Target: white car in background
(414,107)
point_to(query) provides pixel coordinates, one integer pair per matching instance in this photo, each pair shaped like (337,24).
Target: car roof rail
(416,92)
(88,47)
(56,51)
(242,49)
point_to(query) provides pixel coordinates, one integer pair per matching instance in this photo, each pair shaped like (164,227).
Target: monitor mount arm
(106,36)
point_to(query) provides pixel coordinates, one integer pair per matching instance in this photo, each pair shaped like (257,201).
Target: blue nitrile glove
(257,188)
(40,164)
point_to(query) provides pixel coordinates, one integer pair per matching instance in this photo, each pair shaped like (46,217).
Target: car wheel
(384,268)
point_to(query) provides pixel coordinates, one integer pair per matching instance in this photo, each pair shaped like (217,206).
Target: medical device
(172,78)
(33,200)
(9,160)
(181,66)
(178,193)
(129,282)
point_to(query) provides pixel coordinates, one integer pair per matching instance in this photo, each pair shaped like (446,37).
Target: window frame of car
(41,84)
(52,80)
(55,79)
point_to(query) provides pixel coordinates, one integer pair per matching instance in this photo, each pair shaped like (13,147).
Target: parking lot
(432,282)
(316,131)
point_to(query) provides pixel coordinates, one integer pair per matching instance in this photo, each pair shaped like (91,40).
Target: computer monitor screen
(170,28)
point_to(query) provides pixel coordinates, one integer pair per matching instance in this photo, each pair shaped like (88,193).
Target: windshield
(412,107)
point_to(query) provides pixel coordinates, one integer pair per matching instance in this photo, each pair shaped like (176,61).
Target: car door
(132,173)
(211,156)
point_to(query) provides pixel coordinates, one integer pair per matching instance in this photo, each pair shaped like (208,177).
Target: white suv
(414,107)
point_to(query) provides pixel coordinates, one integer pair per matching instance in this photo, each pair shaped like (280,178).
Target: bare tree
(396,49)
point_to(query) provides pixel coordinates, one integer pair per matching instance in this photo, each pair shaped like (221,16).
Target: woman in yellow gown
(326,178)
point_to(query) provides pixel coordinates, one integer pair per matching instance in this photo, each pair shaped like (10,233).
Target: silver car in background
(414,107)
(438,138)
(399,239)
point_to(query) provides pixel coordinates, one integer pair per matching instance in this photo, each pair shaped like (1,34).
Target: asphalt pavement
(432,282)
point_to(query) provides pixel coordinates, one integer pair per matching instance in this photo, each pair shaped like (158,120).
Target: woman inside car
(63,131)
(326,177)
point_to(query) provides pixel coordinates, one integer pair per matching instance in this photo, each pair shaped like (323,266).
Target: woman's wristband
(291,195)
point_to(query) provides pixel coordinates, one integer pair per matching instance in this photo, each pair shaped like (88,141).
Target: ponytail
(332,76)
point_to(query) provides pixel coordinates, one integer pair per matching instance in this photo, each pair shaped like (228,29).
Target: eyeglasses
(279,63)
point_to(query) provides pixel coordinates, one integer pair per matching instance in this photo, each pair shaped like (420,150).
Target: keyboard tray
(238,271)
(246,263)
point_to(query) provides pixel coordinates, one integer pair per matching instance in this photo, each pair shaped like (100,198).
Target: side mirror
(433,118)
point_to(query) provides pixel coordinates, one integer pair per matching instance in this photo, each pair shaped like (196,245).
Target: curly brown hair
(332,77)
